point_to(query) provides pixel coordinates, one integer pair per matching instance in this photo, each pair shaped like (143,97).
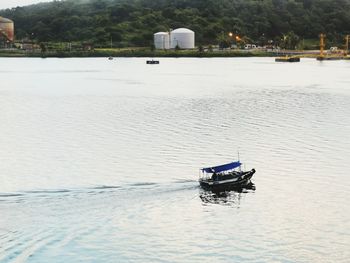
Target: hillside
(133,22)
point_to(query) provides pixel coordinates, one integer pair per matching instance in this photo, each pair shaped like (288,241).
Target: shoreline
(146,53)
(130,53)
(149,54)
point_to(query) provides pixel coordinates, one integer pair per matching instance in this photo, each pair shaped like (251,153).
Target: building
(182,38)
(162,40)
(7,30)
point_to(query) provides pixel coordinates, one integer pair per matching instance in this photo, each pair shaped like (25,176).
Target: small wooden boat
(225,177)
(287,59)
(152,62)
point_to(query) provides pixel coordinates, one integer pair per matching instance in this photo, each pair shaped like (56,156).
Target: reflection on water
(229,197)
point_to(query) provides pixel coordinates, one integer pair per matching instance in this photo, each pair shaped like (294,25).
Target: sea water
(99,160)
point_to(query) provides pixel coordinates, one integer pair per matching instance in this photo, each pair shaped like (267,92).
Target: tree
(290,40)
(43,47)
(200,49)
(133,22)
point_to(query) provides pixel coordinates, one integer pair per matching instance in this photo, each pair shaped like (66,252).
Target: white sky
(13,3)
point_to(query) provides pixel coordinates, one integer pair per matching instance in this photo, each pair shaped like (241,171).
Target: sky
(13,3)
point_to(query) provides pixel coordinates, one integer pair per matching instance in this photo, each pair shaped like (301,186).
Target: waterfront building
(7,30)
(182,38)
(162,40)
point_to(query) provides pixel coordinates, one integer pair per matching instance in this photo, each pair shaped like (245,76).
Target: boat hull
(237,182)
(287,59)
(152,62)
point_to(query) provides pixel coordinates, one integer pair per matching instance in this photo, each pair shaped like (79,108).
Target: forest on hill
(133,22)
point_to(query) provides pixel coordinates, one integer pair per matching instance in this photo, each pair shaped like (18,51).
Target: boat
(110,58)
(152,62)
(287,59)
(225,177)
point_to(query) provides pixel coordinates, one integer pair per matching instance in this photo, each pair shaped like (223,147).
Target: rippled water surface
(99,160)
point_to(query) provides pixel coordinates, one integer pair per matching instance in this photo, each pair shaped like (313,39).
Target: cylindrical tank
(162,40)
(7,28)
(183,38)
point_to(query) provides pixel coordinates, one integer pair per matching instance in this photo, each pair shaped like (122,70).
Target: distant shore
(149,53)
(131,53)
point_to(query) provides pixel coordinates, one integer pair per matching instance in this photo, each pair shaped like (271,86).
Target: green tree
(290,40)
(133,22)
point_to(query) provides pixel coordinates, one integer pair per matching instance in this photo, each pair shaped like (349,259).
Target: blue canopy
(222,168)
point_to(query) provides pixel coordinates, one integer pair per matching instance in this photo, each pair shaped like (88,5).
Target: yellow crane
(324,56)
(322,45)
(346,50)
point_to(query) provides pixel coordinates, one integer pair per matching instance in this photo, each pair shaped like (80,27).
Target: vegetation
(127,23)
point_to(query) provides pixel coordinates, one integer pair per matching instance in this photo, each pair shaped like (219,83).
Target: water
(99,160)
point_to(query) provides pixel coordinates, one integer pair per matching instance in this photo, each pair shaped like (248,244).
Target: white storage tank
(162,40)
(183,38)
(6,29)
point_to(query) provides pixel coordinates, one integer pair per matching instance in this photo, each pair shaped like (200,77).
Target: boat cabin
(220,172)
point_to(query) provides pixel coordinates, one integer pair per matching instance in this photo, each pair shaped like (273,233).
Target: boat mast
(240,169)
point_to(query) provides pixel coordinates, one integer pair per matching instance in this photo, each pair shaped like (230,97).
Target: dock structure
(322,56)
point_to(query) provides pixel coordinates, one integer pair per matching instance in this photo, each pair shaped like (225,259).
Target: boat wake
(132,189)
